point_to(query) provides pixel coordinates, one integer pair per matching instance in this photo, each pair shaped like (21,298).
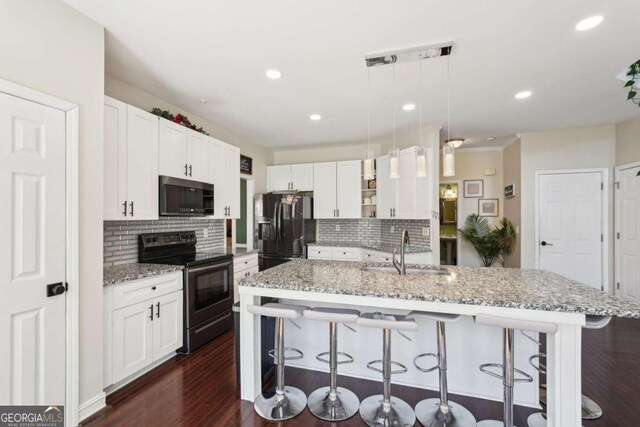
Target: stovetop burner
(175,248)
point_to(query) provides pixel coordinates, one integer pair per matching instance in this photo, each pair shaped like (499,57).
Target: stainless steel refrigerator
(284,225)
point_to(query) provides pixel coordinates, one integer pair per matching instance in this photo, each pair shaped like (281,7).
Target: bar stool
(539,419)
(385,410)
(508,369)
(440,412)
(590,409)
(333,403)
(282,402)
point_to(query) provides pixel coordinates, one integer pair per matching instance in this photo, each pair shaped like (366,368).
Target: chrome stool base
(430,413)
(537,420)
(376,414)
(341,406)
(590,409)
(491,423)
(279,407)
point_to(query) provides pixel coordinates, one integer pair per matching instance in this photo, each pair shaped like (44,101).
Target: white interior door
(628,209)
(32,185)
(570,225)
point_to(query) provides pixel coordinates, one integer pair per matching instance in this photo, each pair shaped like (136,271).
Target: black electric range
(207,283)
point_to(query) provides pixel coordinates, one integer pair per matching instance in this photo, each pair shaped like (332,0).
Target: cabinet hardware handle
(338,213)
(158,310)
(124,207)
(185,169)
(153,288)
(151,312)
(131,204)
(246,262)
(190,170)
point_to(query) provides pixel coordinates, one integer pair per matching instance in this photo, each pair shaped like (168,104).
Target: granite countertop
(135,271)
(377,247)
(498,287)
(238,252)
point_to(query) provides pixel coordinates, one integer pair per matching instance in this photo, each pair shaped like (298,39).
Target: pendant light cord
(368,109)
(393,102)
(448,100)
(420,112)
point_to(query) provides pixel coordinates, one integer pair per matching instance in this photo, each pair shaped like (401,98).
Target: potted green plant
(490,243)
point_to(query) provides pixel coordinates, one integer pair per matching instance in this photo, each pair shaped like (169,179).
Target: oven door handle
(210,267)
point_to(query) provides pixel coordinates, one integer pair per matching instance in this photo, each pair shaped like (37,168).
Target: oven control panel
(168,238)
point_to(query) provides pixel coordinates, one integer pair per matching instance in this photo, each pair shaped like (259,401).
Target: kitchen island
(520,294)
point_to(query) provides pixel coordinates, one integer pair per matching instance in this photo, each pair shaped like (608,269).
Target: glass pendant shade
(421,162)
(394,154)
(367,166)
(448,160)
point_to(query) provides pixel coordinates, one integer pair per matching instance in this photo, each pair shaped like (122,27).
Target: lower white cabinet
(143,324)
(243,266)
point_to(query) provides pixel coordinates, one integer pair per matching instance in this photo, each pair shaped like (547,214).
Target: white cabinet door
(302,177)
(115,159)
(232,178)
(142,164)
(167,324)
(218,178)
(386,194)
(279,177)
(132,339)
(324,190)
(199,156)
(173,150)
(348,192)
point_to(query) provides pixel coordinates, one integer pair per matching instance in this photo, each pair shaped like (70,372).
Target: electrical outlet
(206,233)
(426,231)
(393,229)
(337,227)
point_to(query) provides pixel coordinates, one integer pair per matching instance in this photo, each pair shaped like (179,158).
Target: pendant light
(421,151)
(394,153)
(450,145)
(367,165)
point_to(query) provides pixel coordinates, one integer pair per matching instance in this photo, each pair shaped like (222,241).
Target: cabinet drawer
(240,263)
(318,252)
(145,289)
(346,254)
(245,272)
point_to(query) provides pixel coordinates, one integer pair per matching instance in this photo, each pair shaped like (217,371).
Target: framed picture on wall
(488,207)
(473,188)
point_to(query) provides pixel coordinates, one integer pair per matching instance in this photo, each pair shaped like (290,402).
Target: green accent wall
(241,224)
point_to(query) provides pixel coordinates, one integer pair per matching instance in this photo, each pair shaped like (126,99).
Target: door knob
(543,243)
(55,289)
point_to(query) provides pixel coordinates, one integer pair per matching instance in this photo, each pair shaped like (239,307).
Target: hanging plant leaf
(629,83)
(632,94)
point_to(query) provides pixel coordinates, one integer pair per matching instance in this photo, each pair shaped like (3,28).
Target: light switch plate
(426,231)
(393,229)
(206,233)
(337,227)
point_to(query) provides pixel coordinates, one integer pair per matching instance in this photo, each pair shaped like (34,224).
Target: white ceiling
(185,50)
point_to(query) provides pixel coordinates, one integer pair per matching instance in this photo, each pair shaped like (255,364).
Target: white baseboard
(92,406)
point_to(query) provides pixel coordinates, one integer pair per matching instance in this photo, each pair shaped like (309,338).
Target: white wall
(470,164)
(628,141)
(590,147)
(50,47)
(261,156)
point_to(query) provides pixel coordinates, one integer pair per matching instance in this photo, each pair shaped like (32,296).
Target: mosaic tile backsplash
(372,232)
(121,237)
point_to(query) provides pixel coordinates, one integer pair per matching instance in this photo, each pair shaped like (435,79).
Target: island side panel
(250,378)
(564,383)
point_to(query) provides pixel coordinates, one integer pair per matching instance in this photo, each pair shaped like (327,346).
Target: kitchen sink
(410,271)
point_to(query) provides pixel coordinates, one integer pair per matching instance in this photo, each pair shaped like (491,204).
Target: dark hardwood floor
(200,389)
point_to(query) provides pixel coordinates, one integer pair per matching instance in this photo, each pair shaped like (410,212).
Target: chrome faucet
(400,265)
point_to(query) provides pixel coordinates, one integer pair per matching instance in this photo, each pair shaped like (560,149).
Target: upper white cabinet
(290,177)
(130,162)
(184,153)
(408,196)
(336,190)
(226,179)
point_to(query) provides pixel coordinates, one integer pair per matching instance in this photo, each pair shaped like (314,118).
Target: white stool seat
(432,315)
(330,314)
(387,321)
(272,309)
(596,322)
(508,323)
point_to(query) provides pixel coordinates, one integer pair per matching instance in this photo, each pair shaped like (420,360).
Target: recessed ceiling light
(409,107)
(203,101)
(273,74)
(524,94)
(589,23)
(491,138)
(315,117)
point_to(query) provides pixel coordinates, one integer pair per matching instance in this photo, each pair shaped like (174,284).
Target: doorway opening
(239,232)
(448,194)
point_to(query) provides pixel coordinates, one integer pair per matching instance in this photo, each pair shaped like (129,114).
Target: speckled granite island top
(378,247)
(135,271)
(498,287)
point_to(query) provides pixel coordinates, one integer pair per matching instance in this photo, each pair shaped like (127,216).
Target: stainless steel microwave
(181,197)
